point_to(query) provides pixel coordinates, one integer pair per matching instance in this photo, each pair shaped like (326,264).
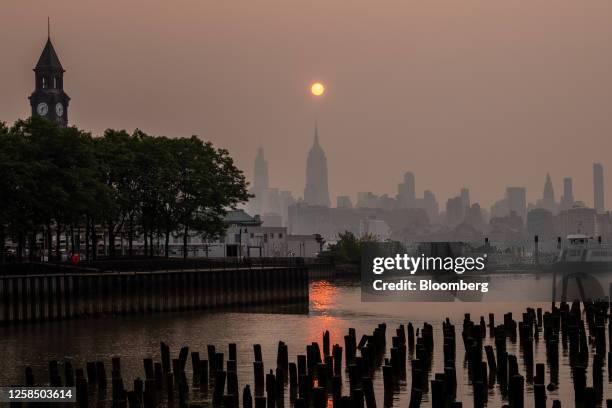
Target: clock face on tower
(42,109)
(59,110)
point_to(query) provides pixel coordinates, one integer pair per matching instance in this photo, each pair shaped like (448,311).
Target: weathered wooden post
(258,373)
(271,389)
(257,352)
(81,389)
(337,354)
(220,376)
(293,381)
(101,375)
(326,350)
(368,392)
(204,374)
(260,402)
(579,377)
(195,365)
(233,355)
(282,361)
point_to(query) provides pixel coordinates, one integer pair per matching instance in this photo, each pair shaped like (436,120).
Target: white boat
(582,248)
(584,266)
(583,254)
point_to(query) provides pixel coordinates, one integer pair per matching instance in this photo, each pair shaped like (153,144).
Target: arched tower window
(44,83)
(54,83)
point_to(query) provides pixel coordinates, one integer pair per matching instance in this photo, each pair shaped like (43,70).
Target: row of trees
(57,180)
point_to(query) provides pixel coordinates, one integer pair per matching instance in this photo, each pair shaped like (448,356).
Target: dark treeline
(56,181)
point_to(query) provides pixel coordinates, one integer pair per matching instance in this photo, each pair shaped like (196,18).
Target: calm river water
(334,306)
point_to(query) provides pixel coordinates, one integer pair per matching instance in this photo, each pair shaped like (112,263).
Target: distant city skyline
(48,99)
(486,95)
(516,196)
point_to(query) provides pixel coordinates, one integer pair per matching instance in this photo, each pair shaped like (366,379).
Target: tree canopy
(53,179)
(348,247)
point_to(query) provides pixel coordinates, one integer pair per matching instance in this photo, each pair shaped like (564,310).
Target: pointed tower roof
(316,146)
(48,59)
(549,193)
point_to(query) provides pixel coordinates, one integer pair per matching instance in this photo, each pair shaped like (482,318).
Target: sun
(317,89)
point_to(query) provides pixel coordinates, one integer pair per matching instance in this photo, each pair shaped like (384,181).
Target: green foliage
(59,177)
(347,249)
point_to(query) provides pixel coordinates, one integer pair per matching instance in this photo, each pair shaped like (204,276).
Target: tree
(348,247)
(208,184)
(7,181)
(52,180)
(162,187)
(118,171)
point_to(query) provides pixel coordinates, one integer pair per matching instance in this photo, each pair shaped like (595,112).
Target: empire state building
(316,191)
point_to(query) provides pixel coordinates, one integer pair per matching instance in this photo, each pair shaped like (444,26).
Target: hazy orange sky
(481,94)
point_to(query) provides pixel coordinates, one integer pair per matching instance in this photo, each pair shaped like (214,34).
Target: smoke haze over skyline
(480,94)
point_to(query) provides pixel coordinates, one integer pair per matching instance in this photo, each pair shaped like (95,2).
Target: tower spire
(316,135)
(48,28)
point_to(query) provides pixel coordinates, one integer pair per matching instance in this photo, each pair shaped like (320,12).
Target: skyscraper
(465,198)
(567,199)
(598,188)
(430,205)
(264,197)
(548,197)
(547,201)
(406,191)
(261,181)
(316,191)
(473,215)
(455,211)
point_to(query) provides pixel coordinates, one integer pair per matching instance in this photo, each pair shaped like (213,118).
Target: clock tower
(49,99)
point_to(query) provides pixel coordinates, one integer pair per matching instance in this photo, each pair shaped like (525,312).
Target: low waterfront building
(245,236)
(305,246)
